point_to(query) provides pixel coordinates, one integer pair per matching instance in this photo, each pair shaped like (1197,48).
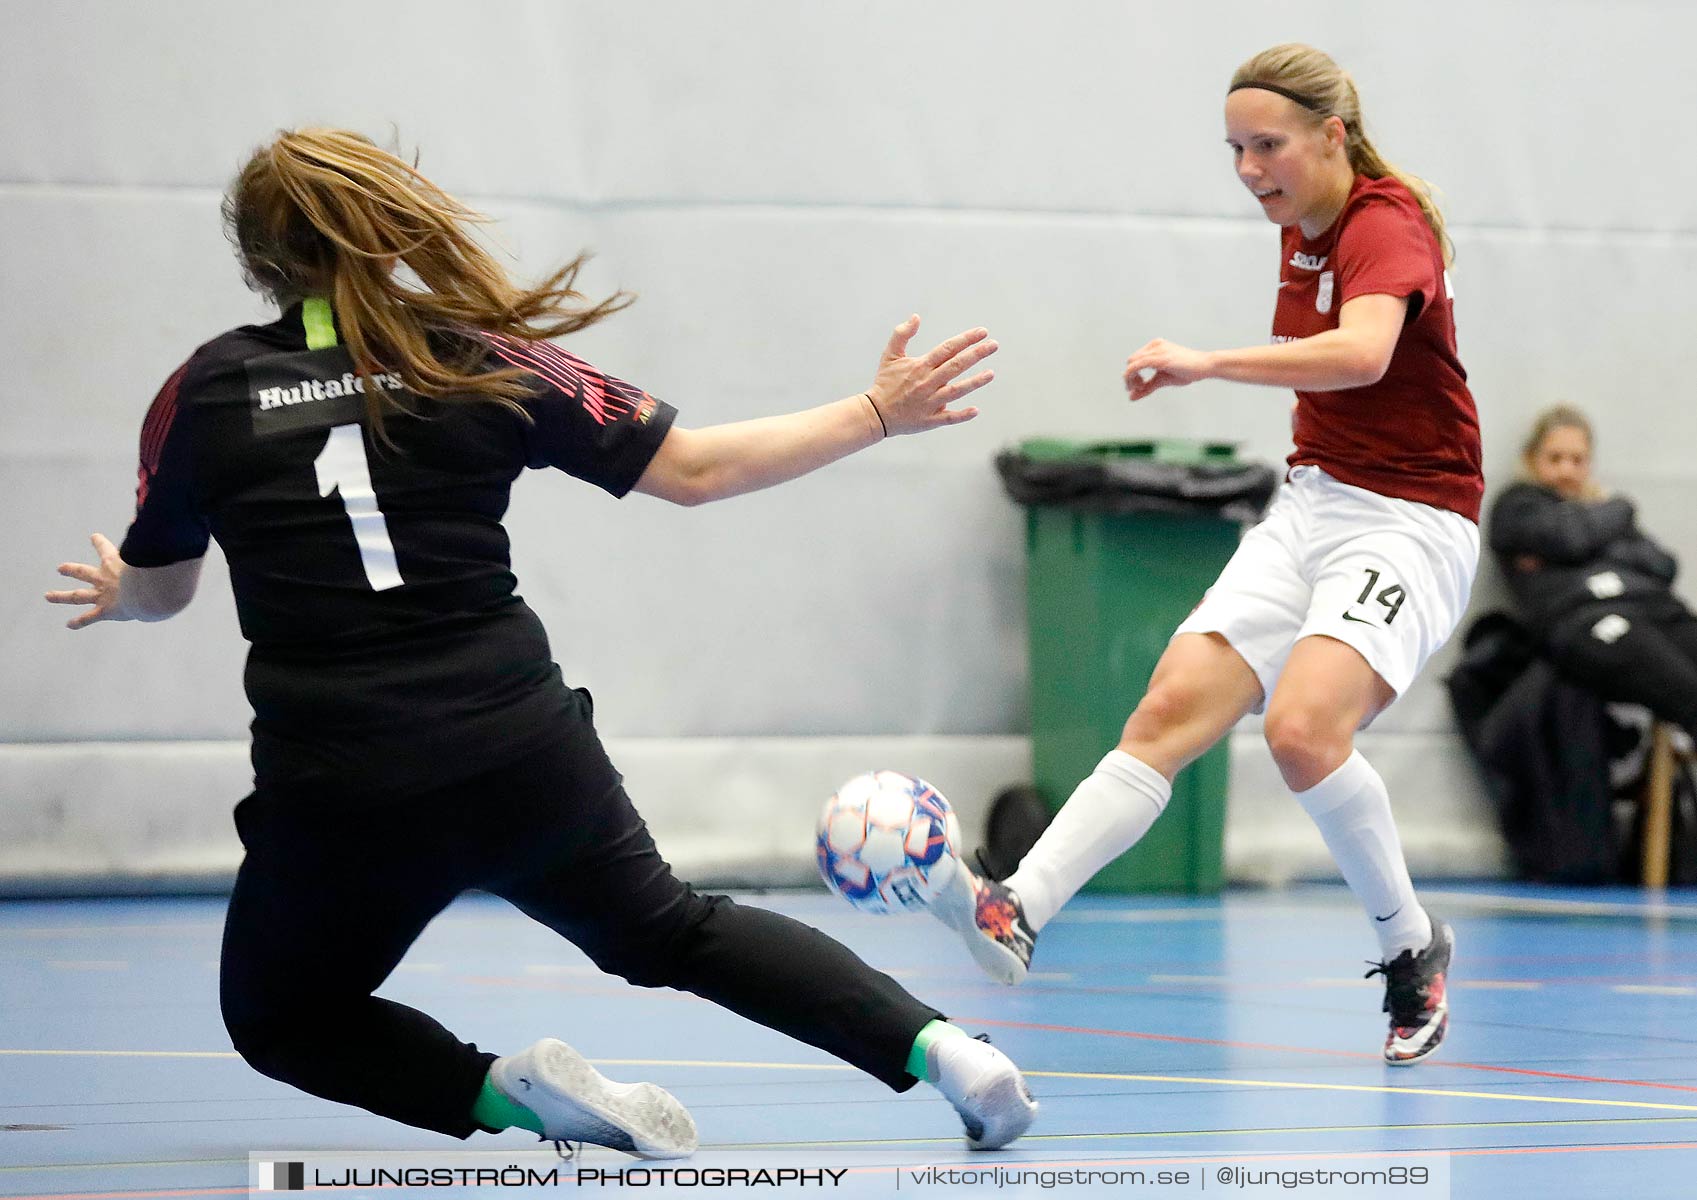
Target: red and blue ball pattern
(887,842)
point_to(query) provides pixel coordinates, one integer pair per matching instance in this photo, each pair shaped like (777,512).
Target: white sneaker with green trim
(578,1104)
(985,1087)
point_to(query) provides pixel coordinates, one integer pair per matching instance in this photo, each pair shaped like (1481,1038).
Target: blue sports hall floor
(1230,1041)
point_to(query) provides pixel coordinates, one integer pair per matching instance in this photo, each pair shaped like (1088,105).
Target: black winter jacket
(1567,557)
(1542,748)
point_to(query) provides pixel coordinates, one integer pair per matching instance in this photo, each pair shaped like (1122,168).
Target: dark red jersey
(1413,435)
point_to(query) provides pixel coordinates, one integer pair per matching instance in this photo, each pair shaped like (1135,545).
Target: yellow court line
(605,1062)
(1362,1087)
(1412,1128)
(1202,1081)
(753,1066)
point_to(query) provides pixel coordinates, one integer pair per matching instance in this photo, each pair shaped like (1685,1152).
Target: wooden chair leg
(1658,807)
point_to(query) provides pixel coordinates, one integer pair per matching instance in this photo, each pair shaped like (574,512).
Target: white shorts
(1389,577)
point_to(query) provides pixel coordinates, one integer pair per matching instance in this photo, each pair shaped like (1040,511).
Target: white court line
(1577,908)
(560,969)
(1140,916)
(1650,989)
(106,930)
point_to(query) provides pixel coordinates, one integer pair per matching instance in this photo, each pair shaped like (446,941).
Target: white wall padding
(1448,832)
(94,815)
(781,183)
(149,815)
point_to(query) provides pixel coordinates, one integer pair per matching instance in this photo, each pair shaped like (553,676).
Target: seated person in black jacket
(1589,582)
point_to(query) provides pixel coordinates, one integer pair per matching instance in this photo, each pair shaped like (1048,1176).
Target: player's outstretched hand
(1168,365)
(914,394)
(102,591)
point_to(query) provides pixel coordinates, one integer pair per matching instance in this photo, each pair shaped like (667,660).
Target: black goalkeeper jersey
(389,650)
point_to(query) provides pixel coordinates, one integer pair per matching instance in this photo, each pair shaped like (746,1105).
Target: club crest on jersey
(1308,262)
(1323,300)
(312,389)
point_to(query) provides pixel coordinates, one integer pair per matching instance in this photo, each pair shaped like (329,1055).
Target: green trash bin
(1122,539)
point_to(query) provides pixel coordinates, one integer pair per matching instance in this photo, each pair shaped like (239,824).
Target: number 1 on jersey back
(342,467)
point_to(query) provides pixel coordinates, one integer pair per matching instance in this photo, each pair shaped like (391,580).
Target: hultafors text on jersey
(308,390)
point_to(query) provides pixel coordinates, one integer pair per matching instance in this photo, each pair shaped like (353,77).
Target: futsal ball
(888,842)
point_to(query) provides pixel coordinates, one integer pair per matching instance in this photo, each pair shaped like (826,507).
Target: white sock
(1353,812)
(1106,816)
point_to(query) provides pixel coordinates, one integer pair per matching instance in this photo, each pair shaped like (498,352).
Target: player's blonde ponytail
(1326,90)
(325,212)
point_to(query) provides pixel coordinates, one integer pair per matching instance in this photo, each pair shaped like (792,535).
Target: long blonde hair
(1326,90)
(326,212)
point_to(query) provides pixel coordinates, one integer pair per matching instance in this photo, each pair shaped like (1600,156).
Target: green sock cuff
(494,1109)
(917,1058)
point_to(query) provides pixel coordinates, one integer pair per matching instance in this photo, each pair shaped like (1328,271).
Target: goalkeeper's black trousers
(334,889)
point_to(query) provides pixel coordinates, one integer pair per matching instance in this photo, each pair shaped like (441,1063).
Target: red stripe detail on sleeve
(624,395)
(603,399)
(607,394)
(161,415)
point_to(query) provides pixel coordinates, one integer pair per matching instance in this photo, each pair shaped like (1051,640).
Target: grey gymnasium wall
(781,183)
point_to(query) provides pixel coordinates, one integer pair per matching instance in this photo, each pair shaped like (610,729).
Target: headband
(1308,102)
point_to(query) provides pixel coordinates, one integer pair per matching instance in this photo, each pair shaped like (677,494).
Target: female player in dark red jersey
(1359,572)
(412,737)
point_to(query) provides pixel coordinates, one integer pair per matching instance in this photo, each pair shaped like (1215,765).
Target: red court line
(1227,1158)
(1194,1041)
(1571,980)
(1225,986)
(1483,1151)
(1204,1159)
(1634,956)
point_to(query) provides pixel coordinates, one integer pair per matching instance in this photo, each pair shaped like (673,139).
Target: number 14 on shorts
(1376,605)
